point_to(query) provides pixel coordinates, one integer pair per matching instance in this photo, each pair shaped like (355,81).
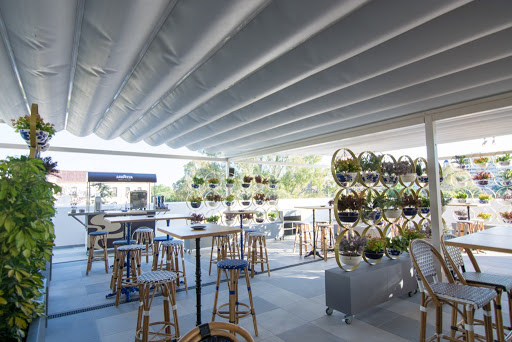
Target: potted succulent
(506,216)
(348,208)
(461,162)
(272,182)
(260,217)
(484,198)
(246,218)
(195,201)
(425,205)
(272,199)
(229,219)
(410,204)
(213,199)
(229,200)
(44,130)
(246,182)
(482,178)
(272,216)
(461,214)
(259,198)
(196,218)
(461,180)
(351,248)
(370,168)
(197,182)
(481,162)
(245,199)
(230,182)
(213,219)
(461,197)
(260,181)
(484,216)
(392,208)
(374,248)
(213,182)
(503,161)
(506,177)
(346,169)
(396,245)
(391,171)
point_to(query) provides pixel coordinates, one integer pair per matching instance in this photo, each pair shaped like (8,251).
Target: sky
(168,171)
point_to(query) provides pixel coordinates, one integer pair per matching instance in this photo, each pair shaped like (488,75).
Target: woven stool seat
(232,264)
(476,296)
(162,238)
(156,277)
(144,230)
(123,242)
(172,252)
(98,233)
(171,243)
(489,279)
(131,247)
(251,230)
(256,234)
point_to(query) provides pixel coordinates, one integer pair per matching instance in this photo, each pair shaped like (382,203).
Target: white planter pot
(351,260)
(408,178)
(504,163)
(393,213)
(260,185)
(481,165)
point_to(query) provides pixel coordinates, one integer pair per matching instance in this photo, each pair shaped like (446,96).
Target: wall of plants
(382,203)
(214,195)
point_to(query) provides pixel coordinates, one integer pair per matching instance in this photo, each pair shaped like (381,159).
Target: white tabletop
(495,239)
(240,211)
(187,232)
(315,207)
(146,218)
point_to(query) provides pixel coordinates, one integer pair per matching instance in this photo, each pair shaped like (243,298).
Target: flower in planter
(272,216)
(272,182)
(396,245)
(347,165)
(481,160)
(461,196)
(504,160)
(213,197)
(229,218)
(23,122)
(408,200)
(230,182)
(484,216)
(272,198)
(506,177)
(229,200)
(375,247)
(352,245)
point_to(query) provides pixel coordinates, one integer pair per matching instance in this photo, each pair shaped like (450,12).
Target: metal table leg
(198,281)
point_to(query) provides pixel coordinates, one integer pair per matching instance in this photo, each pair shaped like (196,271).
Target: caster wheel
(329,311)
(348,319)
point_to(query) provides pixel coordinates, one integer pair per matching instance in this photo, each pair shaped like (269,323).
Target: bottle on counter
(97,203)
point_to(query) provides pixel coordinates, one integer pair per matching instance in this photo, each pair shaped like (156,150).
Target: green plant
(397,243)
(507,215)
(213,219)
(245,196)
(420,170)
(352,245)
(350,202)
(461,195)
(446,198)
(247,179)
(347,165)
(374,200)
(484,197)
(229,198)
(259,196)
(213,197)
(481,160)
(198,180)
(23,122)
(408,200)
(213,180)
(26,241)
(506,174)
(425,201)
(195,199)
(375,244)
(230,180)
(272,197)
(272,215)
(482,176)
(412,234)
(504,158)
(369,163)
(461,160)
(484,216)
(273,180)
(391,203)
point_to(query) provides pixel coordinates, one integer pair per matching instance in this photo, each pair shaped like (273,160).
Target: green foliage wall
(26,240)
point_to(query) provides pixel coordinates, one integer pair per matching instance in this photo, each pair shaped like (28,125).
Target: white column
(434,186)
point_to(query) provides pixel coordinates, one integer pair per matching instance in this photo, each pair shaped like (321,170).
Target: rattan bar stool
(144,236)
(116,244)
(326,230)
(172,252)
(301,235)
(470,298)
(148,284)
(479,225)
(221,244)
(102,235)
(122,279)
(499,283)
(465,227)
(247,231)
(235,310)
(156,249)
(257,242)
(217,331)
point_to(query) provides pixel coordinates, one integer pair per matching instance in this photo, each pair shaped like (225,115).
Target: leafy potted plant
(446,198)
(484,216)
(396,245)
(213,182)
(410,204)
(373,205)
(246,218)
(272,198)
(503,161)
(411,234)
(272,182)
(260,217)
(482,178)
(481,162)
(213,219)
(374,248)
(260,181)
(370,168)
(461,214)
(259,198)
(245,199)
(348,208)
(272,216)
(484,198)
(44,130)
(461,180)
(229,219)
(197,182)
(425,205)
(351,248)
(246,182)
(461,197)
(391,171)
(392,208)
(229,200)
(409,176)
(346,169)
(213,199)
(230,182)
(196,218)
(506,197)
(461,162)
(195,201)
(506,216)
(506,177)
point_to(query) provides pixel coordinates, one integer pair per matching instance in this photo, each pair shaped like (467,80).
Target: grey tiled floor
(290,304)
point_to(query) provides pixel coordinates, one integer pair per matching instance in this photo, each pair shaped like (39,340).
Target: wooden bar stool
(148,284)
(102,240)
(156,249)
(464,227)
(258,241)
(221,244)
(172,251)
(144,236)
(247,231)
(122,279)
(115,266)
(234,312)
(479,225)
(325,230)
(301,234)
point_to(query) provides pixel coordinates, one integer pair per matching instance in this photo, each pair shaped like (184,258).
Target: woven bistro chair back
(216,332)
(453,257)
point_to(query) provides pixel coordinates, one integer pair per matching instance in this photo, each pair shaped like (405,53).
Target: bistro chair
(102,240)
(217,331)
(144,236)
(497,282)
(148,283)
(470,298)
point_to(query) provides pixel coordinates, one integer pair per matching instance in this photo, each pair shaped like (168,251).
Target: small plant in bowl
(481,162)
(370,168)
(461,214)
(245,199)
(461,197)
(482,178)
(230,182)
(348,207)
(425,204)
(195,201)
(396,245)
(411,234)
(272,216)
(246,181)
(213,219)
(213,182)
(351,248)
(229,219)
(346,170)
(410,204)
(503,160)
(44,130)
(272,182)
(272,198)
(391,206)
(197,182)
(462,162)
(375,248)
(229,200)
(196,218)
(391,171)
(246,218)
(259,198)
(506,177)
(484,216)
(260,181)
(407,175)
(213,199)
(484,198)
(506,216)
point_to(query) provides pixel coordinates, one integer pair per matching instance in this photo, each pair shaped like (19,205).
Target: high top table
(314,252)
(241,212)
(188,232)
(127,222)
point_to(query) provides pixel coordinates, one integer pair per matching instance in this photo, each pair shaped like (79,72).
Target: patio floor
(289,305)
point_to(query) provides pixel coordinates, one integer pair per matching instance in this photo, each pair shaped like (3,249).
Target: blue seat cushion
(98,233)
(162,238)
(232,264)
